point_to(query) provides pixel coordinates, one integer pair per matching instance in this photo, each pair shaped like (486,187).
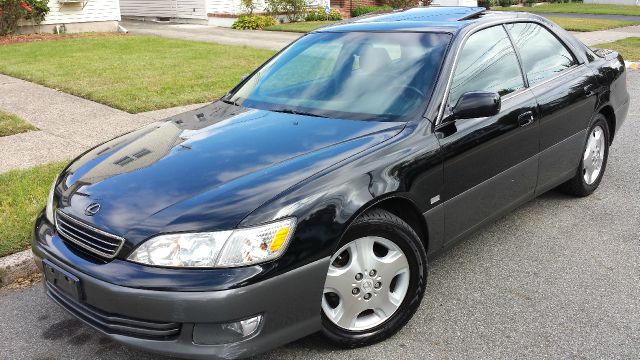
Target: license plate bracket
(62,280)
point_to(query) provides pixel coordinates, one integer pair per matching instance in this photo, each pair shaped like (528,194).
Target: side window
(487,62)
(543,55)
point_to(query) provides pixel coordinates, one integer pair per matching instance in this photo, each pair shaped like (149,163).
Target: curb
(16,266)
(632,65)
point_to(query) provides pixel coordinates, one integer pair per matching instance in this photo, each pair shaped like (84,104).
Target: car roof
(432,18)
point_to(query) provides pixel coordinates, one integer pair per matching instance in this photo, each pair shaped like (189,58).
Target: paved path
(593,16)
(604,36)
(68,124)
(273,40)
(556,279)
(276,40)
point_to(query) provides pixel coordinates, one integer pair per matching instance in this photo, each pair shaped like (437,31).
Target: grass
(11,124)
(300,27)
(578,8)
(23,193)
(585,24)
(571,24)
(629,48)
(133,73)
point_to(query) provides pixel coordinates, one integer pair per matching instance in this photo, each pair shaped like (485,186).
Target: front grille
(87,237)
(114,324)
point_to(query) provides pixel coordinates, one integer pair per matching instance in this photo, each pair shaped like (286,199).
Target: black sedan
(310,197)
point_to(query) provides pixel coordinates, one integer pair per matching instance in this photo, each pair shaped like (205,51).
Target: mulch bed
(15,39)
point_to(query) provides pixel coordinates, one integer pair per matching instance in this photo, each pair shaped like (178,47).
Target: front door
(490,164)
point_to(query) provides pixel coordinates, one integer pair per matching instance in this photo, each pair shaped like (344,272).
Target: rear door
(490,164)
(566,93)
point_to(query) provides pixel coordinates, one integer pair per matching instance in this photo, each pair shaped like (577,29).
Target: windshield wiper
(295,112)
(227,101)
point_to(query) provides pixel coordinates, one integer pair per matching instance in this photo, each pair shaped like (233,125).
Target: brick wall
(345,6)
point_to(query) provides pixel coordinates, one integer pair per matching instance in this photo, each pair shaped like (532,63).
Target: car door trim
(523,168)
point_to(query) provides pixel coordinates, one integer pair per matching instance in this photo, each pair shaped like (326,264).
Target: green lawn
(585,24)
(571,24)
(11,124)
(133,73)
(629,48)
(23,193)
(301,27)
(578,8)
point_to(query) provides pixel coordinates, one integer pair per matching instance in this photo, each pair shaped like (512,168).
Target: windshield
(354,75)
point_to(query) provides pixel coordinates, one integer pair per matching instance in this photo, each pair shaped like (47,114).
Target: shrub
(294,9)
(366,9)
(405,4)
(488,4)
(320,15)
(529,2)
(246,22)
(335,15)
(505,3)
(12,11)
(249,6)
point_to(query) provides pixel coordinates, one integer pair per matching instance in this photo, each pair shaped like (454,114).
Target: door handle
(525,118)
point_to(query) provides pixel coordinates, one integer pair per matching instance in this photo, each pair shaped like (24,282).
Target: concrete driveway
(276,40)
(273,40)
(557,278)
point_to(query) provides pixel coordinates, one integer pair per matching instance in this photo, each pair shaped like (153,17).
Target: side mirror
(476,104)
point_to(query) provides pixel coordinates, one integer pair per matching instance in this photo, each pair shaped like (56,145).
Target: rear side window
(487,62)
(543,55)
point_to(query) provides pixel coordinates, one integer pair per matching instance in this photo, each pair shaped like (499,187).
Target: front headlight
(49,209)
(232,248)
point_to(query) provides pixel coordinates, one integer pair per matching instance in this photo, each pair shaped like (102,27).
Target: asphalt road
(557,278)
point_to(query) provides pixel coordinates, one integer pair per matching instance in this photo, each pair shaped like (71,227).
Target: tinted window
(366,75)
(487,62)
(543,55)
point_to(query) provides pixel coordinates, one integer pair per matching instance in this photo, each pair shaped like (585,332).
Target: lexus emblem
(92,209)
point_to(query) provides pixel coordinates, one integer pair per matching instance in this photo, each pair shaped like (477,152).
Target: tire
(385,238)
(581,184)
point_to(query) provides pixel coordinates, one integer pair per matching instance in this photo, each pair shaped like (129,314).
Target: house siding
(94,11)
(187,9)
(191,9)
(224,6)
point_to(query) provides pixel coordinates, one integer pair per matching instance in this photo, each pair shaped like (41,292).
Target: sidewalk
(604,36)
(68,125)
(592,16)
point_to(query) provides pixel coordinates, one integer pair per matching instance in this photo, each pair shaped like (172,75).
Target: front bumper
(167,322)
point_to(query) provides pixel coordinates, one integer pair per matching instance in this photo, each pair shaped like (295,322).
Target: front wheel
(593,162)
(375,282)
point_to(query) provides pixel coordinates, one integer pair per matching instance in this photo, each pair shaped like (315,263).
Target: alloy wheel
(593,155)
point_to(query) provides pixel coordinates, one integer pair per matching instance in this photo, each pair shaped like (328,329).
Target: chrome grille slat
(85,242)
(87,237)
(72,229)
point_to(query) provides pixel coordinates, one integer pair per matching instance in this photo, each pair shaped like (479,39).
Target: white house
(209,12)
(212,12)
(75,16)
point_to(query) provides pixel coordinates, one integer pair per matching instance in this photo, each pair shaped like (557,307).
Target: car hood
(206,169)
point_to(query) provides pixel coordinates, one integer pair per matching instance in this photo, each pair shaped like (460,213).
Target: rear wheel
(594,160)
(375,281)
